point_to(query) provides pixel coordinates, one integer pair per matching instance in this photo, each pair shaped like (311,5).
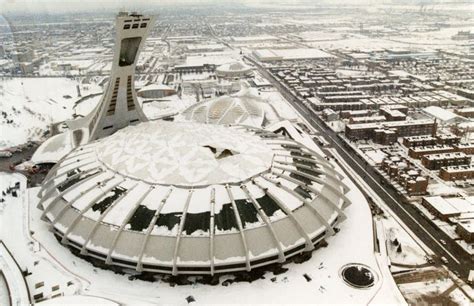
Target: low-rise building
(406,174)
(467,112)
(330,115)
(414,185)
(447,139)
(401,108)
(445,116)
(417,141)
(385,136)
(437,161)
(467,148)
(393,114)
(403,128)
(465,229)
(347,114)
(367,119)
(445,208)
(454,173)
(419,152)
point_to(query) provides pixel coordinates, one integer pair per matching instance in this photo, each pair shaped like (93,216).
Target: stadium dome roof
(233,68)
(190,198)
(242,108)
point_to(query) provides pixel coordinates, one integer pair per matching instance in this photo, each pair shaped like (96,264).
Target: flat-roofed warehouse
(445,208)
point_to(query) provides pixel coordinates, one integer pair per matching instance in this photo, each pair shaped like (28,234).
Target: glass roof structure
(242,108)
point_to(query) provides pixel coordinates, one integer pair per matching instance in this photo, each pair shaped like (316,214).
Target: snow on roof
(215,58)
(53,149)
(449,206)
(182,172)
(236,66)
(356,235)
(185,153)
(155,87)
(442,114)
(465,110)
(243,107)
(467,225)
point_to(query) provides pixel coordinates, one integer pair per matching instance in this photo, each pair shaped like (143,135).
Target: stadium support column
(118,106)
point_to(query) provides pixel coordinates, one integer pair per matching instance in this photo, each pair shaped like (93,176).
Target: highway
(458,261)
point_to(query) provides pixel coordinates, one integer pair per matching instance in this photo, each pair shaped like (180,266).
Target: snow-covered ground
(29,105)
(429,287)
(457,296)
(337,126)
(432,286)
(276,100)
(52,263)
(47,278)
(410,252)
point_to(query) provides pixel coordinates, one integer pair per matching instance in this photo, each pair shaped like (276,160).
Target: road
(25,154)
(423,228)
(214,35)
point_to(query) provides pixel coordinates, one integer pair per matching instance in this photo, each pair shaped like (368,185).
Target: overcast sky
(52,6)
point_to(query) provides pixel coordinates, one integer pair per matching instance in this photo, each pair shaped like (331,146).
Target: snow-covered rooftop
(235,66)
(176,197)
(243,108)
(442,114)
(184,154)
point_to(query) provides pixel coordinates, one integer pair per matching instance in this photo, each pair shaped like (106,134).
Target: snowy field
(29,105)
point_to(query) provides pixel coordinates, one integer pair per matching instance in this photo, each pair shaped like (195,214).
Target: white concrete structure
(234,70)
(191,198)
(240,108)
(156,91)
(118,107)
